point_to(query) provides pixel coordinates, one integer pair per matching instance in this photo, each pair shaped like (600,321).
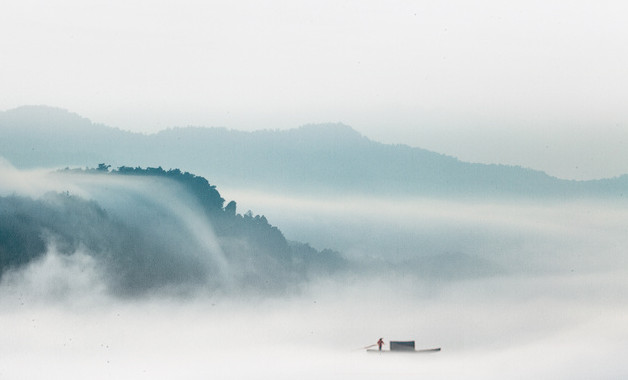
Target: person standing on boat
(380,343)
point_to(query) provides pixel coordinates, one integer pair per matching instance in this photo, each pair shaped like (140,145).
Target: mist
(508,289)
(538,84)
(145,232)
(518,235)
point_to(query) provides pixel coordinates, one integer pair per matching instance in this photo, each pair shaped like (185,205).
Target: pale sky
(542,84)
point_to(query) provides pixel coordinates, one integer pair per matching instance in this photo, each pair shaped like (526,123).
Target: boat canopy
(402,345)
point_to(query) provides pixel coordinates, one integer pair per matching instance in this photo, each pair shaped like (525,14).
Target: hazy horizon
(530,83)
(456,144)
(116,276)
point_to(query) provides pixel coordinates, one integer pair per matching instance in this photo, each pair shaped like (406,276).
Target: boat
(404,347)
(421,351)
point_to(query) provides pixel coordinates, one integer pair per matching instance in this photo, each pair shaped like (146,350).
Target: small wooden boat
(421,351)
(404,347)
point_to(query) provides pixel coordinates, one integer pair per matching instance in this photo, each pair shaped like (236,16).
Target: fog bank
(518,235)
(524,289)
(149,230)
(488,329)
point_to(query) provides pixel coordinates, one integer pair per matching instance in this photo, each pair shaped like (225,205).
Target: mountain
(38,136)
(150,229)
(327,158)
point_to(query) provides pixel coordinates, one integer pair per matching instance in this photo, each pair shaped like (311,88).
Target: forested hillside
(172,231)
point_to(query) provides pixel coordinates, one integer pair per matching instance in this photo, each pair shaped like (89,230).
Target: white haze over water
(489,329)
(555,235)
(557,310)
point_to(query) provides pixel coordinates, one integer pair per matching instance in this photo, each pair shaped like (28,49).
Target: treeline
(226,221)
(145,247)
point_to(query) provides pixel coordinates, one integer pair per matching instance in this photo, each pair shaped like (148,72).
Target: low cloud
(487,328)
(518,236)
(552,306)
(146,233)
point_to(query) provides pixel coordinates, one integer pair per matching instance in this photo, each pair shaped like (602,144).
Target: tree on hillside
(230,208)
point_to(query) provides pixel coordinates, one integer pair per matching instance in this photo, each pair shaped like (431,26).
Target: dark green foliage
(143,246)
(198,186)
(20,239)
(311,260)
(26,226)
(133,258)
(230,208)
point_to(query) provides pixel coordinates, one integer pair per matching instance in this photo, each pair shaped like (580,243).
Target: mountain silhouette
(327,158)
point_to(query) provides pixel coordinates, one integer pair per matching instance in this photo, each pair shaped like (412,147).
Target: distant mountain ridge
(319,158)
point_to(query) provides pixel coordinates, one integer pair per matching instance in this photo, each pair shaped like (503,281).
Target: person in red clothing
(380,343)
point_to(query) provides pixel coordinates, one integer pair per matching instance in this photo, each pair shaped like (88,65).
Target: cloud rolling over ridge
(551,306)
(147,231)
